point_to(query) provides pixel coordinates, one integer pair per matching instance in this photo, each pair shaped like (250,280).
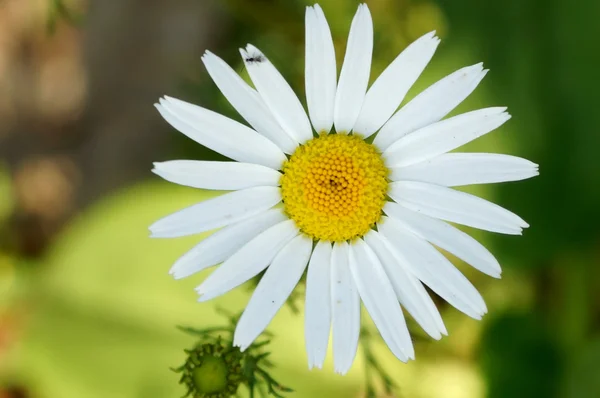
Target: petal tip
(178,275)
(203,298)
(341,371)
(252,49)
(312,365)
(242,345)
(367,13)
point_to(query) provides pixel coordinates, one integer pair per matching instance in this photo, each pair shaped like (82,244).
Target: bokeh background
(86,306)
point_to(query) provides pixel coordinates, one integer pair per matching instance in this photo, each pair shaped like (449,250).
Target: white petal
(388,91)
(227,176)
(277,94)
(431,105)
(219,246)
(444,136)
(409,290)
(247,102)
(220,133)
(345,306)
(217,212)
(317,319)
(455,169)
(272,291)
(320,70)
(247,262)
(380,300)
(354,76)
(446,237)
(430,266)
(455,206)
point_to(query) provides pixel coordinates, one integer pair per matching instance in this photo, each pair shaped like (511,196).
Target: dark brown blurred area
(76,104)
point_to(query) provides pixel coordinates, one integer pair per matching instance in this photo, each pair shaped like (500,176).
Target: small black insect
(257,58)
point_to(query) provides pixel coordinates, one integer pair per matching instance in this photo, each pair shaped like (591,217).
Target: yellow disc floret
(334,187)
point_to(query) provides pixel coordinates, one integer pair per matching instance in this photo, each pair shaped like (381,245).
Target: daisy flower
(357,200)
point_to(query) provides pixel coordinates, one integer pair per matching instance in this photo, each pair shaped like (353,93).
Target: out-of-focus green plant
(58,11)
(543,62)
(520,358)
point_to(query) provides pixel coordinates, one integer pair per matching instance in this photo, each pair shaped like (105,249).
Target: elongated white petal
(226,176)
(247,102)
(455,206)
(380,300)
(248,261)
(320,70)
(345,306)
(223,243)
(272,291)
(220,133)
(388,91)
(430,266)
(277,94)
(354,76)
(444,136)
(455,169)
(217,212)
(447,237)
(431,105)
(409,290)
(317,319)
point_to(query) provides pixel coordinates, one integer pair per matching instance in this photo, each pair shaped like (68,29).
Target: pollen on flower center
(334,187)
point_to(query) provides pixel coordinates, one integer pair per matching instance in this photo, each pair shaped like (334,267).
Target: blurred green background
(86,306)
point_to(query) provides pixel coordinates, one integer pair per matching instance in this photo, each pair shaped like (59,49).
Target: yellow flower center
(334,187)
